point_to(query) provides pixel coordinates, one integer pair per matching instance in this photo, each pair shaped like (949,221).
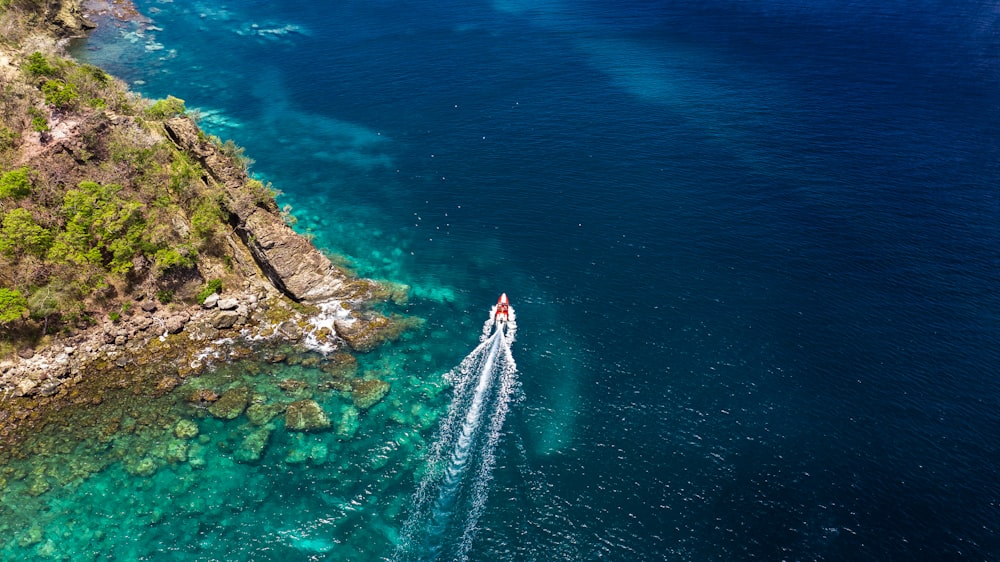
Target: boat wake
(452,495)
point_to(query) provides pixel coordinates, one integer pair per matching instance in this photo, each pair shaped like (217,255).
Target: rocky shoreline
(289,294)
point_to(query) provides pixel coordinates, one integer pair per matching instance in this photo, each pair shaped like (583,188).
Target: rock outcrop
(290,262)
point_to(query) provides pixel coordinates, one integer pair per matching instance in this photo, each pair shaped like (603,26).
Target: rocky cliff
(290,262)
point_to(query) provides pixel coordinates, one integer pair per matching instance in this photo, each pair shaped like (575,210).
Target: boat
(502,310)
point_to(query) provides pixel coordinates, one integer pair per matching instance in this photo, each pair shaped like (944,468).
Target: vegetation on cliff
(97,206)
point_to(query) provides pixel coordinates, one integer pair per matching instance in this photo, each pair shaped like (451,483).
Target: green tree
(15,183)
(20,233)
(53,300)
(101,228)
(13,305)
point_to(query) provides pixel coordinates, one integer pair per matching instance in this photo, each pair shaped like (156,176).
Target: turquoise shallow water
(752,248)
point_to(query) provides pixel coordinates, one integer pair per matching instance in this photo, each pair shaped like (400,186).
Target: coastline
(288,296)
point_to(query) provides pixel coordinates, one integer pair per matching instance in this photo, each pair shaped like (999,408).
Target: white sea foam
(450,499)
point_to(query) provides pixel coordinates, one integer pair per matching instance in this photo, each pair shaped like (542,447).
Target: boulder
(231,404)
(166,384)
(26,387)
(363,334)
(211,300)
(367,393)
(228,304)
(142,322)
(305,415)
(50,388)
(225,319)
(174,324)
(343,365)
(293,386)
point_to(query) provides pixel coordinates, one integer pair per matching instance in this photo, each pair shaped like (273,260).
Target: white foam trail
(508,384)
(450,494)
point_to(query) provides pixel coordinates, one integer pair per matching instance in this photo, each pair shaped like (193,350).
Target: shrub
(38,65)
(184,173)
(263,194)
(166,108)
(39,123)
(234,151)
(213,286)
(97,74)
(53,299)
(15,184)
(60,94)
(206,220)
(8,138)
(13,305)
(169,258)
(165,296)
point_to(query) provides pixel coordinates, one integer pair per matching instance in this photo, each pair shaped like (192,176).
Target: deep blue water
(752,246)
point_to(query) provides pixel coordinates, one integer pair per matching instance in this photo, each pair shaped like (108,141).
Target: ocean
(752,248)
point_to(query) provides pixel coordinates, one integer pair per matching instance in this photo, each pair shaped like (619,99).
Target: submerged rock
(253,445)
(38,487)
(340,364)
(318,453)
(260,414)
(202,397)
(144,467)
(367,393)
(305,415)
(186,429)
(231,404)
(177,451)
(349,423)
(196,455)
(295,389)
(302,449)
(296,456)
(30,537)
